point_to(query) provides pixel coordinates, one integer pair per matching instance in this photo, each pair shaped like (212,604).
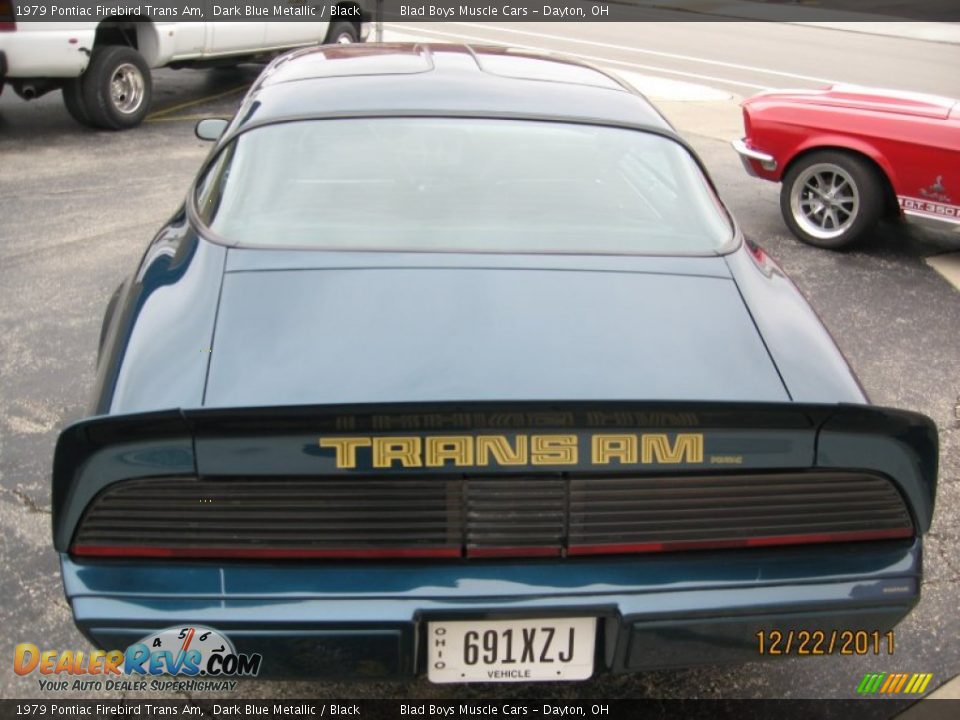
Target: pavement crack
(28,502)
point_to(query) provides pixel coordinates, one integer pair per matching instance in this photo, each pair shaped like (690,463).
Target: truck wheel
(116,87)
(342,33)
(73,99)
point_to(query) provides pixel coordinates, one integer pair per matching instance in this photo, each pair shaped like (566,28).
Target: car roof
(441,79)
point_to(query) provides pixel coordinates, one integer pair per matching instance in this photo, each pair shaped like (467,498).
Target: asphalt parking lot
(77,208)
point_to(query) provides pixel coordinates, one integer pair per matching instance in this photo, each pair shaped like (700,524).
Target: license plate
(511,650)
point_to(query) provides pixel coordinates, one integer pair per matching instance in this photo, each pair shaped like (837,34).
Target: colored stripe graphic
(894,683)
(866,684)
(890,682)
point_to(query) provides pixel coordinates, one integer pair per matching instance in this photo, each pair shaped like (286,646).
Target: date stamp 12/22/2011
(825,642)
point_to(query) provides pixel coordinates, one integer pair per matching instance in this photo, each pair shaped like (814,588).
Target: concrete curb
(925,31)
(928,709)
(845,20)
(950,690)
(948,265)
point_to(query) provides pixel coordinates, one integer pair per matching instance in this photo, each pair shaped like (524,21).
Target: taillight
(454,518)
(7,18)
(768,266)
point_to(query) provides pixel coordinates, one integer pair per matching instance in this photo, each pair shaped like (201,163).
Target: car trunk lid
(370,335)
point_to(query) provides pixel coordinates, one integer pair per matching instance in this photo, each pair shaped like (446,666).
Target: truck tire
(73,99)
(342,33)
(116,88)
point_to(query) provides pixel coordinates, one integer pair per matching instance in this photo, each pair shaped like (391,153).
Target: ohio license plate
(511,650)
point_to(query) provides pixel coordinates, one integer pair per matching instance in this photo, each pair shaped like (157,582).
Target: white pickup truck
(103,67)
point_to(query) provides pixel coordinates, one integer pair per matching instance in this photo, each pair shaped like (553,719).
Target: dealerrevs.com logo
(192,651)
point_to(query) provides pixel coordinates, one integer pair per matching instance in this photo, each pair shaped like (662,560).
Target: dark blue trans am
(454,364)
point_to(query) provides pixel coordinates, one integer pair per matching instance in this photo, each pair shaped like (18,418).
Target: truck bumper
(370,621)
(34,52)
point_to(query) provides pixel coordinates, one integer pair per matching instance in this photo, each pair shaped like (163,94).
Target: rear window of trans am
(461,185)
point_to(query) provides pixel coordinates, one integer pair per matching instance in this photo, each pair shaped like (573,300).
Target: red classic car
(847,156)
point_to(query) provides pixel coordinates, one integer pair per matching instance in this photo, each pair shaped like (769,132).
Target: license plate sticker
(511,650)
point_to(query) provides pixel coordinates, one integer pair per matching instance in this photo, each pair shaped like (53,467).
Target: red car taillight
(7,17)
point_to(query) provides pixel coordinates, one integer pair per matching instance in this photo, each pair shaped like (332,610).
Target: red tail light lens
(264,553)
(7,17)
(771,541)
(476,518)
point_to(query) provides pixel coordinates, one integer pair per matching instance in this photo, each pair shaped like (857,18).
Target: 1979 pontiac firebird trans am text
(491,389)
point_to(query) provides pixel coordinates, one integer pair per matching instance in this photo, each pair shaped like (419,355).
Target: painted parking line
(186,118)
(659,69)
(947,265)
(653,87)
(656,53)
(160,115)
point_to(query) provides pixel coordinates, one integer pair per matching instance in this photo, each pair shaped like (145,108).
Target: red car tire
(831,199)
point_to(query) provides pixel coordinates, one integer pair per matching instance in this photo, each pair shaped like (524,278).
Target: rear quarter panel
(156,338)
(811,365)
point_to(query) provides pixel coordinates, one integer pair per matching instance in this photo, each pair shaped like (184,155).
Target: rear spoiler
(488,438)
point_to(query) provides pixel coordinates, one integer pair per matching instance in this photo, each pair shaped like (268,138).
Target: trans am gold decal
(434,451)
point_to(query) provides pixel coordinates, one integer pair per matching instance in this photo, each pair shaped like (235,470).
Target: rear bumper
(362,621)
